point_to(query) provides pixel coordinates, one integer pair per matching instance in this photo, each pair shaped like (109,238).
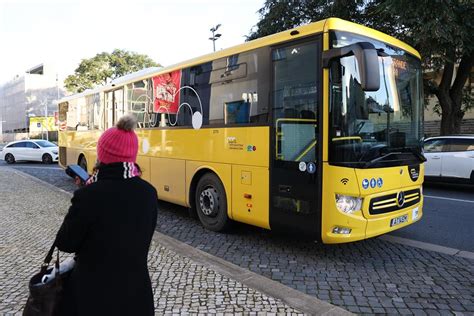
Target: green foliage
(281,15)
(104,67)
(441,30)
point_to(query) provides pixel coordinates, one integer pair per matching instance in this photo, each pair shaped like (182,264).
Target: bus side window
(197,93)
(239,88)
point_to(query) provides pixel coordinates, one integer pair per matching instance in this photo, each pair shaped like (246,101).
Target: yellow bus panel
(168,178)
(250,194)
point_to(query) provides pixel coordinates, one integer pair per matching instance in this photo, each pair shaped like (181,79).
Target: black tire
(47,159)
(9,158)
(211,203)
(83,163)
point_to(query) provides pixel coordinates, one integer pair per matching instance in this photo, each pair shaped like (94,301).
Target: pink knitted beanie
(119,143)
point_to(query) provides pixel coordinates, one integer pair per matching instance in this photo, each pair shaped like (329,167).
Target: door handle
(284,188)
(436,157)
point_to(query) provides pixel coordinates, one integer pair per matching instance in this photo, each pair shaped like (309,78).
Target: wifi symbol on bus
(344,181)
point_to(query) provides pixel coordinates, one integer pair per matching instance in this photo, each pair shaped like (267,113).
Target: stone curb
(293,298)
(46,184)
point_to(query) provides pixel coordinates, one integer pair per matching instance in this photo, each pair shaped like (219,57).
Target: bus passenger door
(295,175)
(114,105)
(109,109)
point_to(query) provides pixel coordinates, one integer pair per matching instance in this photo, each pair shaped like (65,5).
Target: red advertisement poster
(166,92)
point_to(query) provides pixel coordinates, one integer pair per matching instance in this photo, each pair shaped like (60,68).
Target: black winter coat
(109,226)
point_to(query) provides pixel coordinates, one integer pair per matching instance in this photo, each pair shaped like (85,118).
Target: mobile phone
(76,171)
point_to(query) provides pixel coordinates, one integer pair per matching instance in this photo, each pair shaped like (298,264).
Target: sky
(63,32)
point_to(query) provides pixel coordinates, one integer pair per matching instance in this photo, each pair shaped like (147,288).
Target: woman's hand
(78,182)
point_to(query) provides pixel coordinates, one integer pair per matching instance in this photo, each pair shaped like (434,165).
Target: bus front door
(294,176)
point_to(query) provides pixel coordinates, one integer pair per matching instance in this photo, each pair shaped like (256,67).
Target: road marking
(450,199)
(33,167)
(428,246)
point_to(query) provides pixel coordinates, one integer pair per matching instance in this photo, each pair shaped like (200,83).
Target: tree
(281,15)
(442,30)
(104,67)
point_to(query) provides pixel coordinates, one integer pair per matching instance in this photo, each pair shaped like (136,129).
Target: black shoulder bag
(45,298)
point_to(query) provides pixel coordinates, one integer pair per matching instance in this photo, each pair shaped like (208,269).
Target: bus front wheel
(211,203)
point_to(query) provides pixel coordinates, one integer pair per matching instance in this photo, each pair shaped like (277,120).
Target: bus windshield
(375,128)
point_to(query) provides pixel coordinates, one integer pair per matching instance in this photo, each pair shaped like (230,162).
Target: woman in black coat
(109,227)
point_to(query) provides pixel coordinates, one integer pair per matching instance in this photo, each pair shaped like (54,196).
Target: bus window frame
(317,37)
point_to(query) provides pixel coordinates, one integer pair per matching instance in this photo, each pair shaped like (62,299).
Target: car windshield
(45,143)
(375,128)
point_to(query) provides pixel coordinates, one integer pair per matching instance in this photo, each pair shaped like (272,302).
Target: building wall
(31,94)
(13,104)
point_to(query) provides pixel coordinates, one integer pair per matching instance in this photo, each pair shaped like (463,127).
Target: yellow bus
(316,130)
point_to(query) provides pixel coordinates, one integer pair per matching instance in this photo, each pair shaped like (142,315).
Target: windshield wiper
(411,150)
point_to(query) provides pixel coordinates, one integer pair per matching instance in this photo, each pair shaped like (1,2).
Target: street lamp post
(215,36)
(45,120)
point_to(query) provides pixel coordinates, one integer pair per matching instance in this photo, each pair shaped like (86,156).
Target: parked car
(450,158)
(30,150)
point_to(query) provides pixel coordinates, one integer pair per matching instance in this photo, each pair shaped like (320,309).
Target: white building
(32,94)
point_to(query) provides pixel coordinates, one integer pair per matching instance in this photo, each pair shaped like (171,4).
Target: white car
(450,158)
(30,150)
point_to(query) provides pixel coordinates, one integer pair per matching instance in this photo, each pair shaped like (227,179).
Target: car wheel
(9,158)
(47,159)
(211,203)
(83,163)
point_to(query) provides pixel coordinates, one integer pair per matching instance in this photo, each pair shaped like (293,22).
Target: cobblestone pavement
(368,277)
(30,215)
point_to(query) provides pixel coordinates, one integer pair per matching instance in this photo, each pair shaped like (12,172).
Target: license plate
(398,220)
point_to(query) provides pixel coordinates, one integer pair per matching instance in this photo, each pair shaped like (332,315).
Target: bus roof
(295,33)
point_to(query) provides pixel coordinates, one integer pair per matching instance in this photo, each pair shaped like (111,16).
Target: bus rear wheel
(211,203)
(83,163)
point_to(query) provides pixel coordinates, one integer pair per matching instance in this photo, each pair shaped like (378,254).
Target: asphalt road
(447,220)
(448,217)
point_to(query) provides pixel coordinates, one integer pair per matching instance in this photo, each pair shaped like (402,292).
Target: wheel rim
(83,164)
(9,158)
(209,201)
(47,159)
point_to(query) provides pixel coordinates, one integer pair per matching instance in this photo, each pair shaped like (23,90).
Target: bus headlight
(348,204)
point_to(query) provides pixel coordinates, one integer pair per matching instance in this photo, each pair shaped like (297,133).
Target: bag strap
(49,257)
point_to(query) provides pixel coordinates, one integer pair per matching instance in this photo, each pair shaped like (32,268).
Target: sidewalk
(184,279)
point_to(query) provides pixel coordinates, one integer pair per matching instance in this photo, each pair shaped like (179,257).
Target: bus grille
(388,203)
(62,156)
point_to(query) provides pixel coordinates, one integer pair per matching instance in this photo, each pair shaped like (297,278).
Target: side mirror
(367,60)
